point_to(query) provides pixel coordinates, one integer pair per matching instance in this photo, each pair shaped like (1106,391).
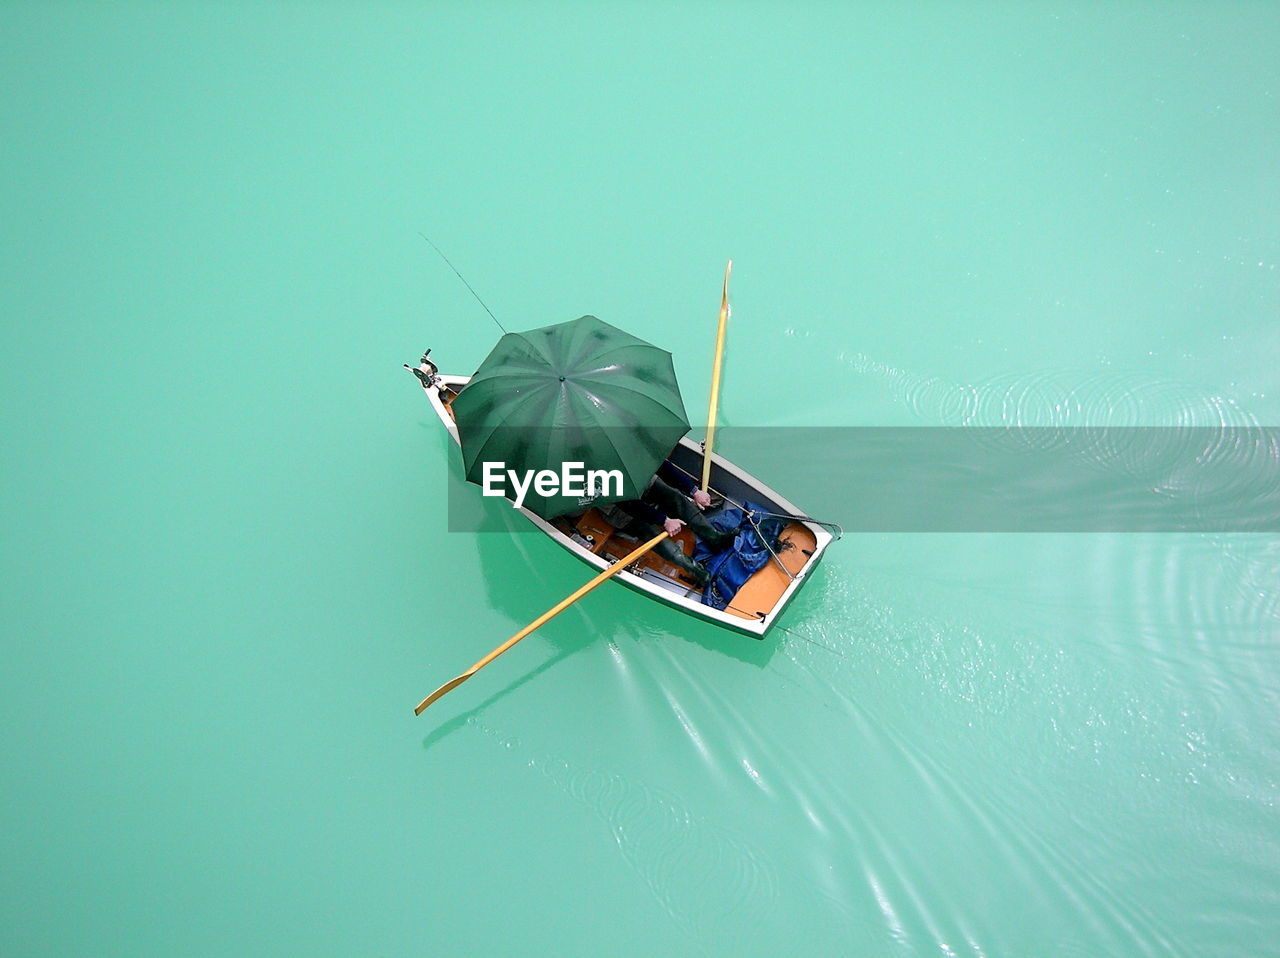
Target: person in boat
(670,501)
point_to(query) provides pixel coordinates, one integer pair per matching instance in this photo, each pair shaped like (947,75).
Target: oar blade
(442,691)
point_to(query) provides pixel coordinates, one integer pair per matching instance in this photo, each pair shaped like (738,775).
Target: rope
(750,518)
(798,635)
(812,641)
(774,515)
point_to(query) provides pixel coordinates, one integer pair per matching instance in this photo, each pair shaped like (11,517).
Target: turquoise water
(226,580)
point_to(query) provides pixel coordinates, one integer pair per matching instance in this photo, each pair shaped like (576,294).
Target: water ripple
(1044,870)
(714,884)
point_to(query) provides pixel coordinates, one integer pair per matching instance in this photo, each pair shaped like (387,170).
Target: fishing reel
(426,371)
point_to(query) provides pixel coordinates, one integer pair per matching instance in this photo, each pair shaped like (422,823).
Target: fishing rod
(464,281)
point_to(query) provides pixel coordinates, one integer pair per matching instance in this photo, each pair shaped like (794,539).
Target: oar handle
(715,379)
(547,616)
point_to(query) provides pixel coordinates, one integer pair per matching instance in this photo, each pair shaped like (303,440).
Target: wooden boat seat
(593,524)
(762,591)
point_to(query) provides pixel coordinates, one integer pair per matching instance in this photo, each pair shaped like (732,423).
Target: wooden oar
(539,621)
(715,380)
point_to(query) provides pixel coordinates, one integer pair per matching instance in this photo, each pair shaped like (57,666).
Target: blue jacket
(732,567)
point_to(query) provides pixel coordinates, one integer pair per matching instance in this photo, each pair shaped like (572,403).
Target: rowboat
(587,536)
(547,398)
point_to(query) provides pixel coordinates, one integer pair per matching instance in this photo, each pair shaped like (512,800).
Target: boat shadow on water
(614,614)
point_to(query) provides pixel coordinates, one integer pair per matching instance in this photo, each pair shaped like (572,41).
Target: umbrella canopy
(577,392)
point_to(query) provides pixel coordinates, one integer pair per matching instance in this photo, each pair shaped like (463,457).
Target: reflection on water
(547,574)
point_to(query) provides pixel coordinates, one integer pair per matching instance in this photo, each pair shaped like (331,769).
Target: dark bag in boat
(733,566)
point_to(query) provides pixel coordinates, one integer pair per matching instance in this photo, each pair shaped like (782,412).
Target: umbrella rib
(540,354)
(493,431)
(639,342)
(605,433)
(618,453)
(635,392)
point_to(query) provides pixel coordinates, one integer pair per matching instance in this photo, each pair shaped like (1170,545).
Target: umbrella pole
(539,621)
(715,380)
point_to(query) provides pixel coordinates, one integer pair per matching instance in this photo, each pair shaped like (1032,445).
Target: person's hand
(701,499)
(672,525)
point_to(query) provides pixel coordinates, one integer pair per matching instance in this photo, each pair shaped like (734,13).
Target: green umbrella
(577,392)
